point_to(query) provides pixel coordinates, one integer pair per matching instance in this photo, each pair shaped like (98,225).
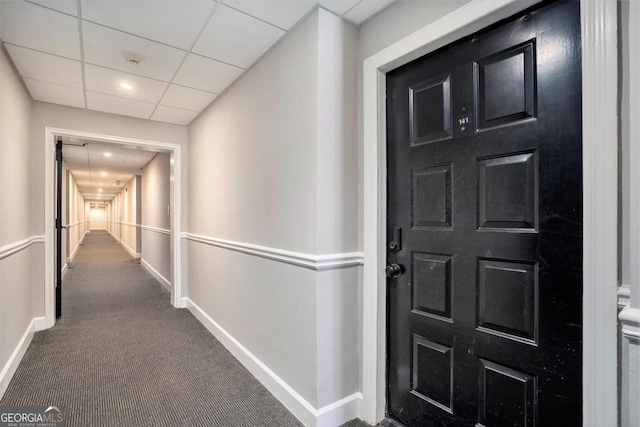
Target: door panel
(485,183)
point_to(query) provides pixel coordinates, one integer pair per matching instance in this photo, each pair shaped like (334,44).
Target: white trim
(145,227)
(328,416)
(39,324)
(630,320)
(624,296)
(75,224)
(75,250)
(600,192)
(13,248)
(159,277)
(49,179)
(131,251)
(155,229)
(11,366)
(313,262)
(117,239)
(600,213)
(80,240)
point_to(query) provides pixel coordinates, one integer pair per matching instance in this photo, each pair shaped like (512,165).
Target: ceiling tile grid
(236,38)
(55,93)
(102,170)
(45,67)
(173,57)
(106,47)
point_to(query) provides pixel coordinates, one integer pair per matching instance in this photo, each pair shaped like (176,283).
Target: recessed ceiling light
(100,190)
(126,86)
(107,154)
(103,173)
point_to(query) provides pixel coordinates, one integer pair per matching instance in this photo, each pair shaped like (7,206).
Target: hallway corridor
(121,355)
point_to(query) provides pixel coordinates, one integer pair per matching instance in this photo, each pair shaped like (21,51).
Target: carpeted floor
(123,356)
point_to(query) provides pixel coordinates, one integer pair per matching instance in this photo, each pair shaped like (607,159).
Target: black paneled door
(485,228)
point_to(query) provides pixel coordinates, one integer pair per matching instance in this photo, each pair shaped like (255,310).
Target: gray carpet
(122,356)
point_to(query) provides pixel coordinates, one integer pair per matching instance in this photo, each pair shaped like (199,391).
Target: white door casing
(175,150)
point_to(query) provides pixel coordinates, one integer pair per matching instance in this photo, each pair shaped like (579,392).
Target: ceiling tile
(173,22)
(236,38)
(73,152)
(65,6)
(134,163)
(104,46)
(173,115)
(78,174)
(117,105)
(366,9)
(28,25)
(282,13)
(100,161)
(104,80)
(47,68)
(206,74)
(56,94)
(187,98)
(338,6)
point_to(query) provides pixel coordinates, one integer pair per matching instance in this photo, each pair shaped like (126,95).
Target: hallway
(122,355)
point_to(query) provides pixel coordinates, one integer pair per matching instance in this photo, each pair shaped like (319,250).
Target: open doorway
(106,186)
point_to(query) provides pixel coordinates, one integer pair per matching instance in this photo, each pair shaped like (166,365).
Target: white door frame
(600,192)
(175,151)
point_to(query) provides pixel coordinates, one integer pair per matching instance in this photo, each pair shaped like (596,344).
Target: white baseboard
(75,250)
(131,251)
(331,415)
(159,277)
(11,366)
(114,236)
(40,324)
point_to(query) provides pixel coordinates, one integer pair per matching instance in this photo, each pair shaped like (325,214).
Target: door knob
(394,270)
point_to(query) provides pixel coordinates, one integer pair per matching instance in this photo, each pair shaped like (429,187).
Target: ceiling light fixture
(103,173)
(107,154)
(99,190)
(126,86)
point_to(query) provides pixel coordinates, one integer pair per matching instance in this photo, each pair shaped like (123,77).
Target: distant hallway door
(485,228)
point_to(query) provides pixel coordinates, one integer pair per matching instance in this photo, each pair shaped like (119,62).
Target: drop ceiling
(71,52)
(101,170)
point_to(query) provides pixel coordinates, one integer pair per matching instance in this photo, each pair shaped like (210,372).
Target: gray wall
(155,203)
(273,163)
(16,279)
(74,216)
(130,215)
